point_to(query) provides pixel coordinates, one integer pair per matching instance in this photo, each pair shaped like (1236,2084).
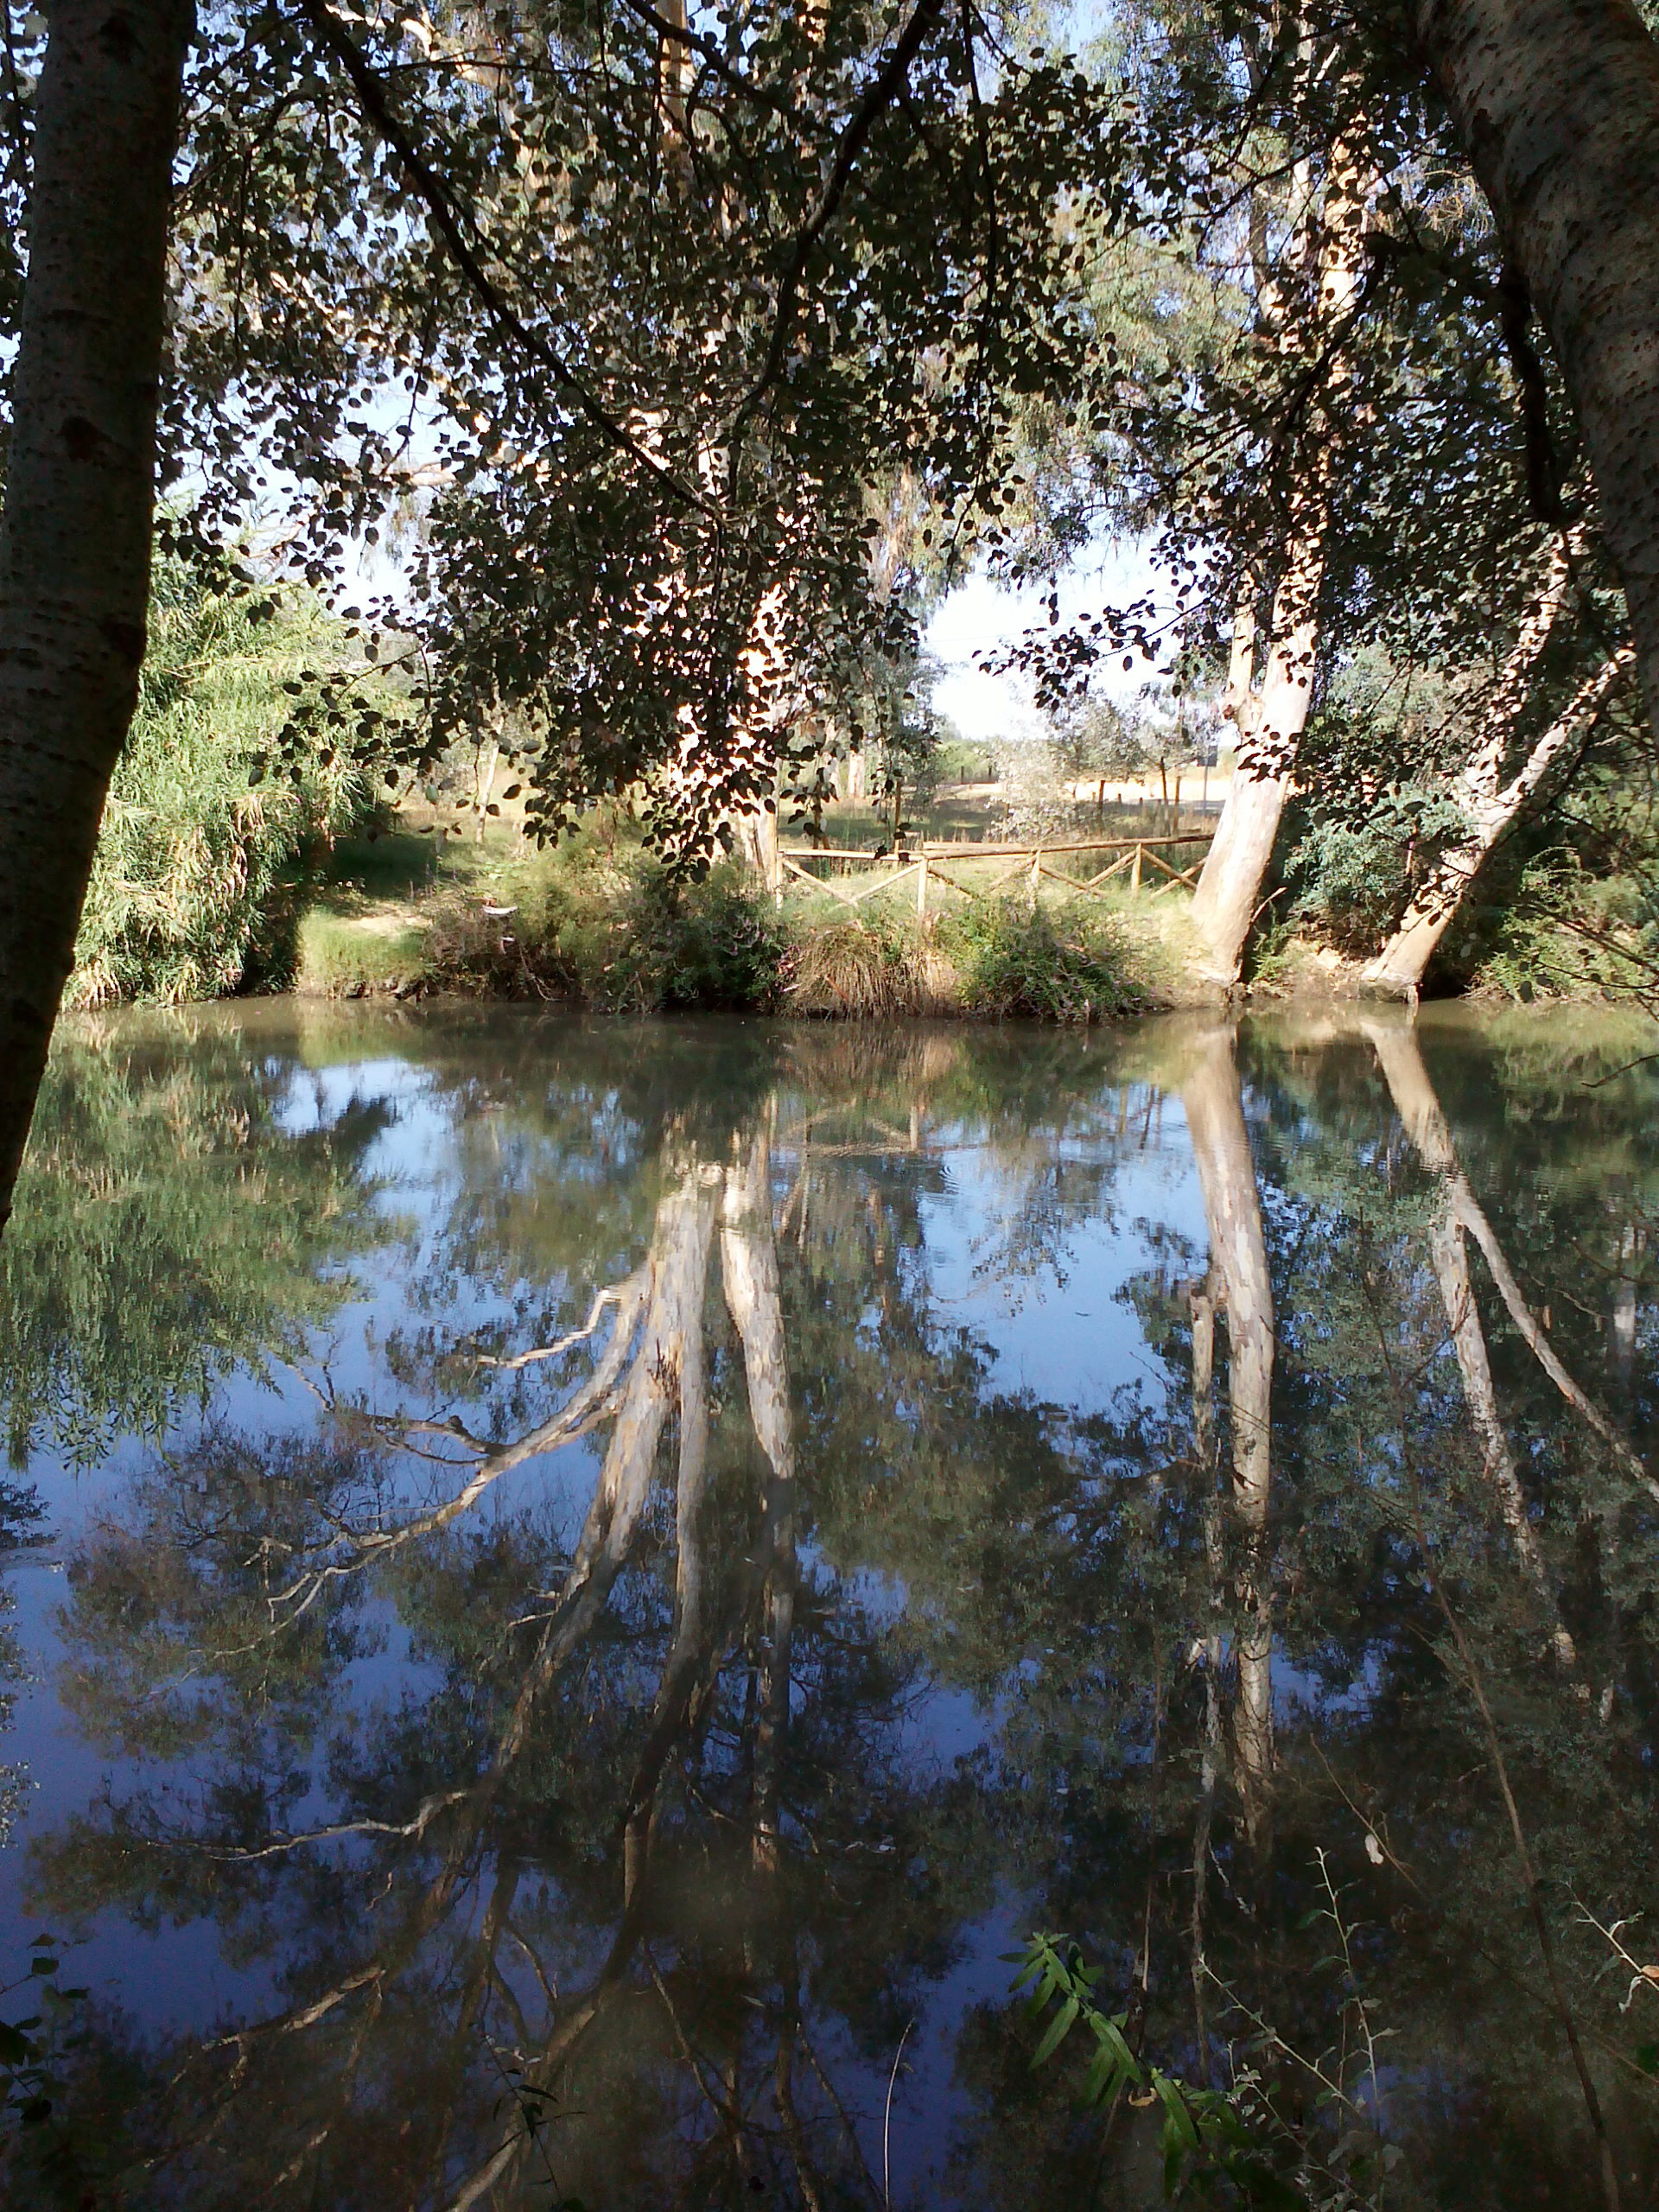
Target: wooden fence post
(1036,872)
(921,886)
(1134,872)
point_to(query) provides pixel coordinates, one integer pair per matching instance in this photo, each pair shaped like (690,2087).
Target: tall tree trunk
(489,757)
(749,1263)
(1207,1648)
(1400,967)
(1270,721)
(1414,1101)
(1451,1261)
(79,498)
(1419,1109)
(1621,1320)
(1557,104)
(671,1331)
(1270,725)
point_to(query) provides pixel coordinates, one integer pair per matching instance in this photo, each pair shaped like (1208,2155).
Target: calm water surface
(579,1588)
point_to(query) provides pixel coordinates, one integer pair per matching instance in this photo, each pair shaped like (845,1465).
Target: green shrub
(601,920)
(720,943)
(1350,881)
(1045,963)
(199,875)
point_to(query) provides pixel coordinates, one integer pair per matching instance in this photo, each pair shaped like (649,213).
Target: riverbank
(600,924)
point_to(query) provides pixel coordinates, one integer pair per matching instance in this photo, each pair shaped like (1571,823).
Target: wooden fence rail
(929,864)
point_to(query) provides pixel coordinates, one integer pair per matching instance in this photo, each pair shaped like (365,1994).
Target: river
(582,1591)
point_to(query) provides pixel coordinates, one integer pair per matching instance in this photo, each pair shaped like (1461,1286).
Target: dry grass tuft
(851,969)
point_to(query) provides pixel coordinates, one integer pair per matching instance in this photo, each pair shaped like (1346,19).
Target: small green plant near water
(1349,881)
(1237,2146)
(1561,931)
(55,2149)
(1210,2138)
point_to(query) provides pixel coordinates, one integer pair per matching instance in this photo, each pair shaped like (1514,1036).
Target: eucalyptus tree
(1331,422)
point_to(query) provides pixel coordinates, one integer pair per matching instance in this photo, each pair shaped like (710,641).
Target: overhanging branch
(682,35)
(880,94)
(452,227)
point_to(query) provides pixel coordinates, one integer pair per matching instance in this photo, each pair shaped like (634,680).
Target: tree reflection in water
(600,1853)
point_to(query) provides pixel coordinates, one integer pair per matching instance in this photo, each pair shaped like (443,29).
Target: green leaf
(1180,2130)
(1058,2028)
(15,2049)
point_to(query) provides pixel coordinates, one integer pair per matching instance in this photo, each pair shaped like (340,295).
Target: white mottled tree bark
(80,498)
(1270,722)
(749,1262)
(1419,1109)
(1270,718)
(1243,1290)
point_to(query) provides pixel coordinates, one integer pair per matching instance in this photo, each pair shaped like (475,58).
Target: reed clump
(1035,962)
(203,866)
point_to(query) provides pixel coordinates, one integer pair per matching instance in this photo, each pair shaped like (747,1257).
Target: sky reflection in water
(991,1481)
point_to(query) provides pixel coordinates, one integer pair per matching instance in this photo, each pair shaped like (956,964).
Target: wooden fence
(940,863)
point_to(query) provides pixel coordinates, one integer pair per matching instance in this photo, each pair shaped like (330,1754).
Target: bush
(1045,963)
(1350,881)
(199,876)
(601,920)
(720,942)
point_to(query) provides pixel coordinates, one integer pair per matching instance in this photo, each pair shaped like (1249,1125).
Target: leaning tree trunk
(1270,724)
(1490,811)
(1414,1100)
(1401,1062)
(75,535)
(1557,102)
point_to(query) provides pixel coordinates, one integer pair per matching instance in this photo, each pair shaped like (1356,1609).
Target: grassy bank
(599,922)
(353,902)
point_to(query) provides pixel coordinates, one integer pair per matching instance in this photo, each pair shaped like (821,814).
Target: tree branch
(880,94)
(452,228)
(711,53)
(1543,464)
